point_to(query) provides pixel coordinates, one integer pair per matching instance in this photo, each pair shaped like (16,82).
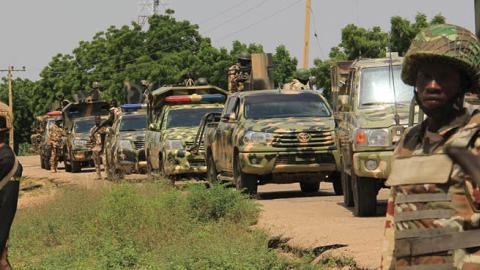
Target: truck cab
(174,114)
(371,105)
(272,136)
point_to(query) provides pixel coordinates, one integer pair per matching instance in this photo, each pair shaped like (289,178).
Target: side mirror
(343,102)
(231,117)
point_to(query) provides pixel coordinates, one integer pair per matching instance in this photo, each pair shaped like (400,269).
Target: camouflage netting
(449,43)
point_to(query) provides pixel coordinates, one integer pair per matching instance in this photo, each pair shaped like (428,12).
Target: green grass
(149,226)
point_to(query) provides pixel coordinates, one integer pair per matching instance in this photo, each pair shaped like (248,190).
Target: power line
(211,29)
(241,2)
(259,21)
(315,34)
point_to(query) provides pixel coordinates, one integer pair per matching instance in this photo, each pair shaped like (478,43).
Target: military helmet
(96,85)
(302,74)
(202,81)
(245,56)
(451,44)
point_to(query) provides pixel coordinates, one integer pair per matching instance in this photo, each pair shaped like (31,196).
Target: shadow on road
(381,208)
(288,194)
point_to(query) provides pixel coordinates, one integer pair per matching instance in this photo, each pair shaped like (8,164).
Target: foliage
(284,65)
(150,226)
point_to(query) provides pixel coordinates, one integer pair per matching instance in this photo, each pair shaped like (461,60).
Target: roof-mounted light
(133,107)
(211,98)
(54,113)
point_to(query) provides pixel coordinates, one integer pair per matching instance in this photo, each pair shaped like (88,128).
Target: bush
(150,226)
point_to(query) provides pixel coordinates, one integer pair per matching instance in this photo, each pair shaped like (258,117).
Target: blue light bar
(133,107)
(213,98)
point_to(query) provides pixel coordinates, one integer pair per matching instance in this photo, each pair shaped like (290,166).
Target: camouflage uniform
(55,140)
(433,211)
(296,85)
(96,134)
(238,77)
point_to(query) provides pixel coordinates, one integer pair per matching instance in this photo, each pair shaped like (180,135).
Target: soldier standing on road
(55,141)
(10,172)
(301,81)
(97,133)
(433,212)
(239,74)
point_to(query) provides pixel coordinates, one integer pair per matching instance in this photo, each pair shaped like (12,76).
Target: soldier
(10,172)
(96,133)
(94,95)
(55,142)
(433,209)
(301,81)
(239,74)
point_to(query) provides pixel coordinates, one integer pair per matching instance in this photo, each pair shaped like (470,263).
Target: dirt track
(314,220)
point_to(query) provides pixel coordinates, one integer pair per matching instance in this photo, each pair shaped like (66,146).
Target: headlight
(80,142)
(372,137)
(126,144)
(174,144)
(257,137)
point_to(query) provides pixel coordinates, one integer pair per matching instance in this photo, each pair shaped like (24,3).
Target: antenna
(147,8)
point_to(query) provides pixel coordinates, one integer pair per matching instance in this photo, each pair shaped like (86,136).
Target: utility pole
(306,44)
(147,8)
(10,71)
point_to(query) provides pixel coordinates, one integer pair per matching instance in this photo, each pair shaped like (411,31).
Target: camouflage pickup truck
(272,136)
(174,114)
(78,119)
(371,105)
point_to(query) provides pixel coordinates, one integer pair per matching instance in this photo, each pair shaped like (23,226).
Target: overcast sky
(35,30)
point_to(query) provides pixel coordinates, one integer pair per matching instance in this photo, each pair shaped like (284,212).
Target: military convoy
(371,105)
(174,114)
(273,136)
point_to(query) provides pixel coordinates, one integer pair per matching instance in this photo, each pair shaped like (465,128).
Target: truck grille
(311,139)
(139,144)
(307,158)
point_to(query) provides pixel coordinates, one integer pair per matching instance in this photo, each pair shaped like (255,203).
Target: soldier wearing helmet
(10,172)
(301,81)
(239,74)
(433,219)
(55,142)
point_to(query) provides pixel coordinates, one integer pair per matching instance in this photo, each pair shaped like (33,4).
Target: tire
(211,170)
(310,187)
(337,183)
(244,182)
(46,164)
(76,166)
(364,196)
(68,164)
(347,189)
(42,162)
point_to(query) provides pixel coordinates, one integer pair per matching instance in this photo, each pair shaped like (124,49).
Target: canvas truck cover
(77,110)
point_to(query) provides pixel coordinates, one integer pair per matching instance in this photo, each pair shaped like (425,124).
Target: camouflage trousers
(54,155)
(97,160)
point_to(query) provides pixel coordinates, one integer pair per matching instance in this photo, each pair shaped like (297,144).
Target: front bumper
(382,158)
(184,162)
(265,163)
(132,160)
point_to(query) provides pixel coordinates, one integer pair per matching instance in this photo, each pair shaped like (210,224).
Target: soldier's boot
(53,167)
(99,174)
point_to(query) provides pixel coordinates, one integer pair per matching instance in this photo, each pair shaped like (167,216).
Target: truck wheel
(364,196)
(68,164)
(76,166)
(245,182)
(47,164)
(42,162)
(337,183)
(347,189)
(211,170)
(309,187)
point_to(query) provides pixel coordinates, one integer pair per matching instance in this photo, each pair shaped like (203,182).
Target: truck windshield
(282,106)
(188,117)
(84,126)
(377,86)
(133,123)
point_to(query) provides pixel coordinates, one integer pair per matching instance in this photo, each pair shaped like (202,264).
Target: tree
(284,65)
(360,42)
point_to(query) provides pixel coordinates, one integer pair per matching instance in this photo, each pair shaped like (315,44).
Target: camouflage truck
(125,142)
(272,136)
(174,114)
(371,107)
(78,119)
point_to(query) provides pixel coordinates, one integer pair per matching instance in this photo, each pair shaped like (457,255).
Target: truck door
(220,150)
(228,135)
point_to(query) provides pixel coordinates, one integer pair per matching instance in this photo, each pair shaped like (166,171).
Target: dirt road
(314,220)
